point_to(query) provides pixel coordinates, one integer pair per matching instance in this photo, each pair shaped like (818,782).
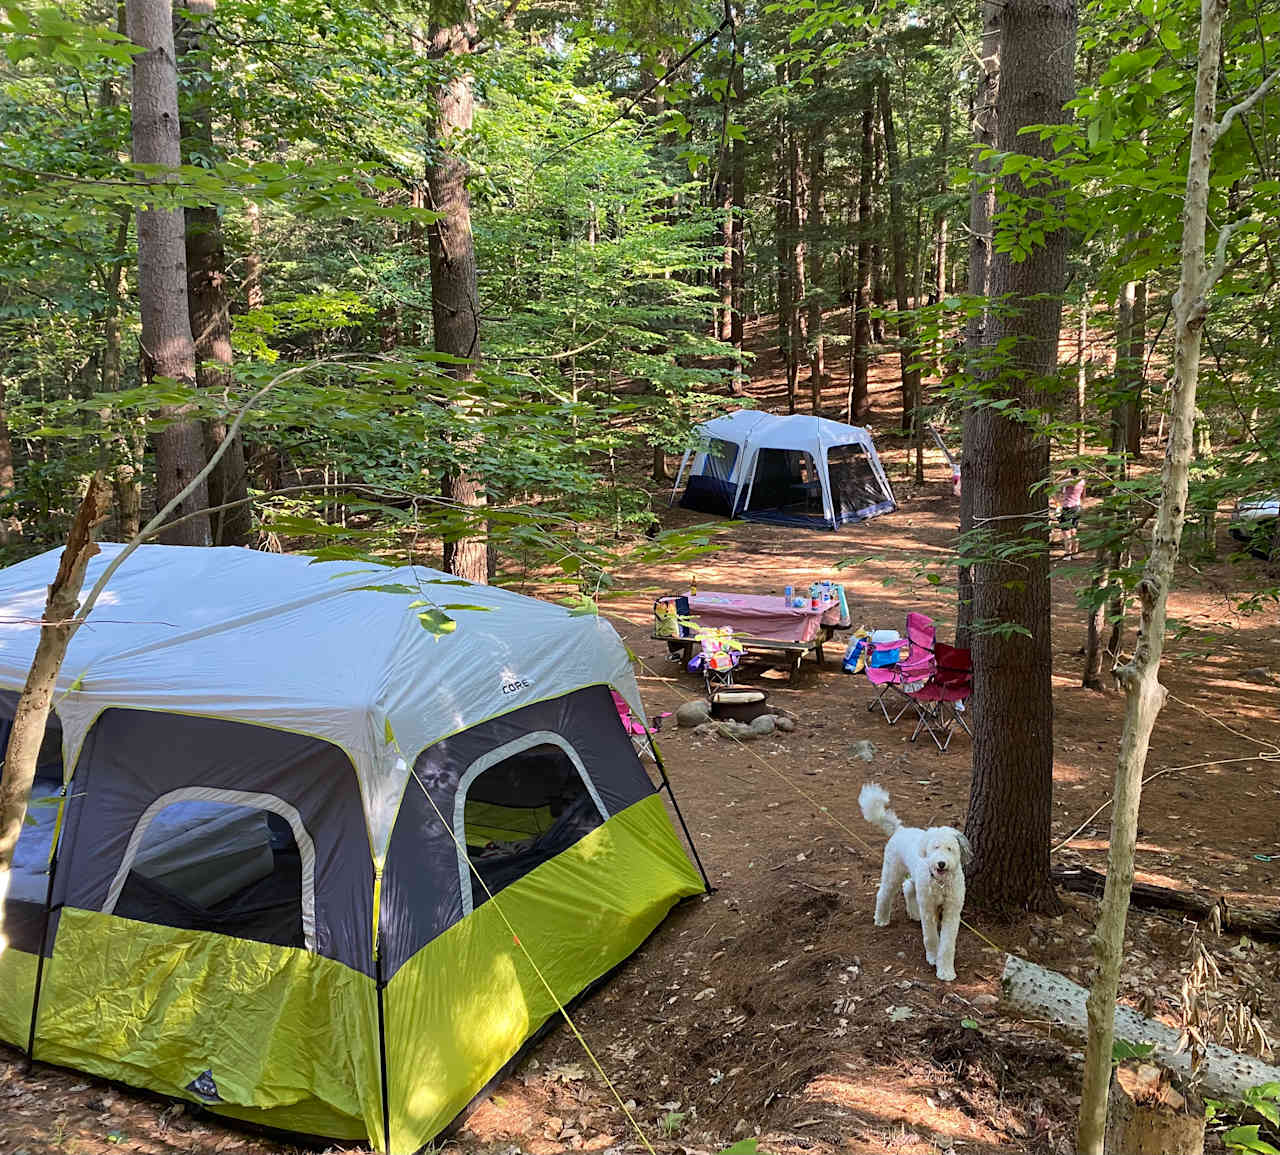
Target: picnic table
(763,623)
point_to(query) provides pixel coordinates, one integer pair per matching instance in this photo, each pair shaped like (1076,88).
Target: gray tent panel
(220,826)
(545,775)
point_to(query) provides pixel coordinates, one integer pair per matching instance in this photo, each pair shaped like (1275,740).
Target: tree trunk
(982,203)
(1144,696)
(878,278)
(455,301)
(817,224)
(724,185)
(207,292)
(1153,1113)
(738,239)
(797,222)
(56,631)
(940,223)
(1137,375)
(254,295)
(127,445)
(859,390)
(167,346)
(1007,465)
(6,467)
(783,241)
(898,228)
(1082,367)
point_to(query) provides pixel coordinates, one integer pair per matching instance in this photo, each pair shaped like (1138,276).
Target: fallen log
(1253,921)
(1045,994)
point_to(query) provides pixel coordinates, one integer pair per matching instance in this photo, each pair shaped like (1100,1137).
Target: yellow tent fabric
(463,1005)
(280,1030)
(17,985)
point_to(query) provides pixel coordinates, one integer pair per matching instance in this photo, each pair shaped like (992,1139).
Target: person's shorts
(1069,518)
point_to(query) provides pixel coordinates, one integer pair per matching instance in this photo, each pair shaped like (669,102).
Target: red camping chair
(890,671)
(941,700)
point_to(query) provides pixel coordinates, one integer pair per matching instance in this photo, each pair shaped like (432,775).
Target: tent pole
(679,473)
(381,985)
(44,945)
(688,836)
(751,484)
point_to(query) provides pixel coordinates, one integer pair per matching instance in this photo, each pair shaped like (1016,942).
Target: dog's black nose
(942,866)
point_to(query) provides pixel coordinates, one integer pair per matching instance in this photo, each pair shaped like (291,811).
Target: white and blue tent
(791,470)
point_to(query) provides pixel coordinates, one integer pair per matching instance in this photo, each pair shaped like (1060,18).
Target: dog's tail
(874,801)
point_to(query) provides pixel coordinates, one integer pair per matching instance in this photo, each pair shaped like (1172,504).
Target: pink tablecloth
(762,616)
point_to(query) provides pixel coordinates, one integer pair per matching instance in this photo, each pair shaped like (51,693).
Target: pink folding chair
(892,677)
(637,731)
(940,702)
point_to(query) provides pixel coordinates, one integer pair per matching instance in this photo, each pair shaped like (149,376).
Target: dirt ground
(773,1008)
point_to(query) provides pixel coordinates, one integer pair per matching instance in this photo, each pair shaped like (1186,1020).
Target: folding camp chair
(718,658)
(941,700)
(891,671)
(639,733)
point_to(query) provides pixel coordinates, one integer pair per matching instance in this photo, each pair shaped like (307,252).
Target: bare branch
(1244,106)
(1220,253)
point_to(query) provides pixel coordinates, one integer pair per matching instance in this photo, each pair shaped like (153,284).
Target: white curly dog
(929,867)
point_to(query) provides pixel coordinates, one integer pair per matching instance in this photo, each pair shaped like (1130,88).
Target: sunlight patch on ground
(895,1104)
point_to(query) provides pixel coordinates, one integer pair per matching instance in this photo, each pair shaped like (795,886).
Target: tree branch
(1220,253)
(1244,106)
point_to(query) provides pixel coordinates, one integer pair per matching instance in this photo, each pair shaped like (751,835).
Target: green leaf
(969,1024)
(437,622)
(390,588)
(743,1147)
(1246,1139)
(1122,1049)
(388,734)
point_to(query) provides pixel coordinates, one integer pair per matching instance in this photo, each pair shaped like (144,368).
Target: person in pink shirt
(1071,497)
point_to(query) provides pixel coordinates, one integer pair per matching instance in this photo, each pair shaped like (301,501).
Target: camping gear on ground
(894,677)
(640,733)
(739,705)
(718,656)
(940,701)
(290,825)
(855,656)
(792,470)
(887,647)
(666,619)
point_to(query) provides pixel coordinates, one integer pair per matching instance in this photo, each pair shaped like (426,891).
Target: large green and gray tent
(289,848)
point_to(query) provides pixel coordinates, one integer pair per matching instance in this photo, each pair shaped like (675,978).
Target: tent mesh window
(522,812)
(787,485)
(218,867)
(854,486)
(710,490)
